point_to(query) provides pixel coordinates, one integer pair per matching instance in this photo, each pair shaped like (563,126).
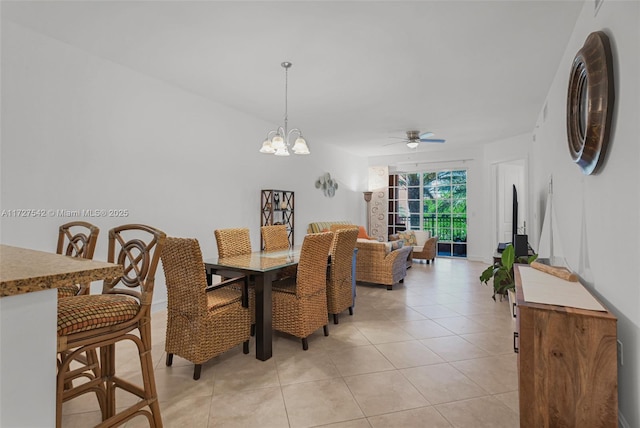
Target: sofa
(324,226)
(424,245)
(379,263)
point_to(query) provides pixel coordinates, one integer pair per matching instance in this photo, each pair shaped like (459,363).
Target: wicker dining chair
(233,242)
(202,321)
(76,239)
(275,237)
(236,242)
(300,305)
(339,281)
(100,321)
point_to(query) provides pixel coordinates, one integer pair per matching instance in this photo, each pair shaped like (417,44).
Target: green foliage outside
(435,200)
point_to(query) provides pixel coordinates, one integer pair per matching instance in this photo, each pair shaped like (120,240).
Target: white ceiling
(470,71)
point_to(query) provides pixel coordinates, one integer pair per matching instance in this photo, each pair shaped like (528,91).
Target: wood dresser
(567,356)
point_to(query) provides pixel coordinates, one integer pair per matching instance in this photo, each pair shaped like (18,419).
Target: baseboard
(158,306)
(476,258)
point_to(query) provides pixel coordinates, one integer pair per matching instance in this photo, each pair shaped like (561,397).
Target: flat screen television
(514,215)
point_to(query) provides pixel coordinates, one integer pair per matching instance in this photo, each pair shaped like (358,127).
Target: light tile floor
(434,352)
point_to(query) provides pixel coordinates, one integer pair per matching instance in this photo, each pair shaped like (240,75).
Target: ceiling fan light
(282,151)
(267,147)
(300,147)
(412,144)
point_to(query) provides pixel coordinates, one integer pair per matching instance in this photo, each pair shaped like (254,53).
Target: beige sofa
(378,263)
(321,226)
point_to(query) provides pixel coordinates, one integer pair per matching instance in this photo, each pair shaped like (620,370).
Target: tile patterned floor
(434,352)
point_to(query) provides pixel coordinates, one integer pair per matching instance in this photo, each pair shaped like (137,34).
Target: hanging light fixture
(278,141)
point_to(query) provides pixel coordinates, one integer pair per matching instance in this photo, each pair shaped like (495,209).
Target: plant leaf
(508,257)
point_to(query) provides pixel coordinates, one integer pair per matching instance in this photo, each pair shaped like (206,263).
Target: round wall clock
(590,102)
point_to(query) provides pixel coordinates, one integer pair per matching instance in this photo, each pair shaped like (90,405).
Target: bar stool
(76,239)
(122,312)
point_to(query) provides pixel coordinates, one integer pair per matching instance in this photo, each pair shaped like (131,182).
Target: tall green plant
(502,271)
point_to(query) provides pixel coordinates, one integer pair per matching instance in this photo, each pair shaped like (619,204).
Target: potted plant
(502,272)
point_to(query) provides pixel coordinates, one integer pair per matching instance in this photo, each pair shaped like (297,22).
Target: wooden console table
(567,356)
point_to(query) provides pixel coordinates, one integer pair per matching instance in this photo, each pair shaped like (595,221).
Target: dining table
(28,328)
(263,267)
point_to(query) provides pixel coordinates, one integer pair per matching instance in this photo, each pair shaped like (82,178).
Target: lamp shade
(300,147)
(412,144)
(277,142)
(282,151)
(267,147)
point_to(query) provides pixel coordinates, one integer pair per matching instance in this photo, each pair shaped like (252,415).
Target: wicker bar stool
(122,312)
(300,305)
(76,239)
(202,321)
(339,282)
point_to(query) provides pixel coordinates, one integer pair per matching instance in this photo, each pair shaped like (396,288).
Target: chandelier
(278,141)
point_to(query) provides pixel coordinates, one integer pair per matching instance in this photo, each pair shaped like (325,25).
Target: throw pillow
(396,244)
(362,234)
(408,237)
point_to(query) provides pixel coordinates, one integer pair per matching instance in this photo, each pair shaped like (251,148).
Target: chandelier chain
(286,98)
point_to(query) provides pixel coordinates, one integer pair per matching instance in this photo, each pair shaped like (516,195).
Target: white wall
(81,132)
(599,215)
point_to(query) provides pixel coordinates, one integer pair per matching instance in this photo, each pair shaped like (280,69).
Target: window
(433,201)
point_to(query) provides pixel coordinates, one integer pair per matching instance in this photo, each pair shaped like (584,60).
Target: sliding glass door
(435,201)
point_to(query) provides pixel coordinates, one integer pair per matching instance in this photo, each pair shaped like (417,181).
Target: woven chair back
(344,242)
(312,267)
(77,239)
(275,237)
(137,248)
(185,277)
(233,242)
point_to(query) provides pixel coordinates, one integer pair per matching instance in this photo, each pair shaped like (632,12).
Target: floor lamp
(367,199)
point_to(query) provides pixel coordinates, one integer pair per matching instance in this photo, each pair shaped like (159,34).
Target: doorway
(507,175)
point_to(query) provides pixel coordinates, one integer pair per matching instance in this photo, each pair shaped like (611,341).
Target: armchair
(376,263)
(428,251)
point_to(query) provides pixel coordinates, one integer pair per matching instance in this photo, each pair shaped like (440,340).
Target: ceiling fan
(414,138)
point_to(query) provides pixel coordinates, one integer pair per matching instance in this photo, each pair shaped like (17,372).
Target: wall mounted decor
(327,184)
(590,102)
(379,182)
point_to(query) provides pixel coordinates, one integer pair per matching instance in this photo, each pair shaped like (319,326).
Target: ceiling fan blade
(395,142)
(426,135)
(431,140)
